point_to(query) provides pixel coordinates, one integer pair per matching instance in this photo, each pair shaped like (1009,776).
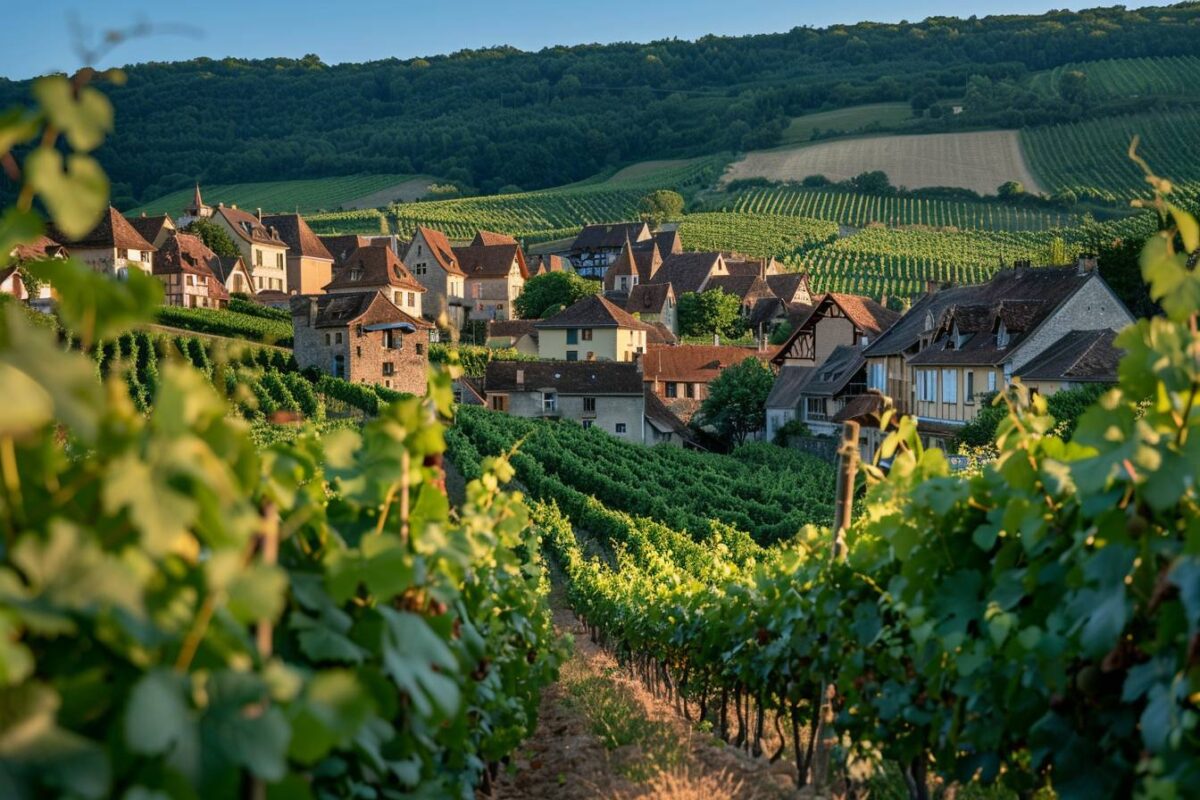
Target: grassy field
(980,161)
(856,119)
(316,194)
(1129,77)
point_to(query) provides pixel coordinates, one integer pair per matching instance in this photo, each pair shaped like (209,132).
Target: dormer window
(1002,335)
(356,273)
(929,321)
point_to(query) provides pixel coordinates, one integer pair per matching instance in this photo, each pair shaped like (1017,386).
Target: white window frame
(550,402)
(991,382)
(949,386)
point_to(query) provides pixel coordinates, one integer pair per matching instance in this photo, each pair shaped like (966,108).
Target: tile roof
(296,234)
(566,377)
(693,363)
(151,227)
(786,285)
(764,310)
(41,248)
(549,263)
(510,328)
(372,267)
(687,272)
(184,252)
(491,237)
(340,310)
(224,266)
(832,375)
(668,242)
(343,245)
(592,311)
(625,265)
(471,389)
(648,298)
(440,249)
(489,261)
(1078,357)
(610,235)
(864,312)
(747,288)
(671,415)
(658,333)
(113,230)
(785,393)
(248,227)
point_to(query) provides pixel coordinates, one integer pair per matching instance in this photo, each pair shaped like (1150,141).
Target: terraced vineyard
(754,234)
(280,196)
(860,210)
(1089,158)
(1129,77)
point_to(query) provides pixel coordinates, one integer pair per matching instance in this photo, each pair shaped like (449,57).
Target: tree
(1072,86)
(543,292)
(706,313)
(1011,189)
(214,236)
(736,405)
(1118,262)
(660,206)
(874,182)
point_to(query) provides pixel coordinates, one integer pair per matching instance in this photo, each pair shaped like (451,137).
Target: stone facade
(1093,307)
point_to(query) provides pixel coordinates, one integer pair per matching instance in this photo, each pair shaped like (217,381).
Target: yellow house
(594,329)
(309,262)
(263,252)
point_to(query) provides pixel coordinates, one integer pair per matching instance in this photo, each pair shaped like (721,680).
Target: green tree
(1072,86)
(706,313)
(543,292)
(1011,189)
(736,405)
(1119,266)
(660,206)
(214,236)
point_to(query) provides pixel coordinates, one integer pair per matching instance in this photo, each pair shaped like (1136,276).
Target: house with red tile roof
(431,259)
(114,246)
(184,265)
(262,249)
(377,268)
(309,262)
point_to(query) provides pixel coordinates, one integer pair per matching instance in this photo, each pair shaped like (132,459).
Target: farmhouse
(432,261)
(309,262)
(604,395)
(361,337)
(378,268)
(593,329)
(113,247)
(264,253)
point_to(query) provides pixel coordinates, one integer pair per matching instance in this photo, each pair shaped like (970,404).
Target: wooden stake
(847,470)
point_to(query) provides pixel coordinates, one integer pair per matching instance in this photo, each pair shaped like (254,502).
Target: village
(366,309)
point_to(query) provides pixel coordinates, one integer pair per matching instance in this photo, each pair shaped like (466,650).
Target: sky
(46,35)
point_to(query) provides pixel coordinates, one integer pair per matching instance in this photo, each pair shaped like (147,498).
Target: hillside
(314,194)
(503,118)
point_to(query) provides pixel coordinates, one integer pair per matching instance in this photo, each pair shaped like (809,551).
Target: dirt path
(579,749)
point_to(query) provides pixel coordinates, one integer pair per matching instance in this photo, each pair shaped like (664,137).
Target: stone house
(184,265)
(495,275)
(593,329)
(431,260)
(361,337)
(113,247)
(377,267)
(604,395)
(309,262)
(264,253)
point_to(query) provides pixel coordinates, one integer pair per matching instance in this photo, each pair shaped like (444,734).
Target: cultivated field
(978,161)
(316,194)
(846,120)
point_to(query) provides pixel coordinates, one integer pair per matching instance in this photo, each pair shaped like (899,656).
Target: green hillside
(316,194)
(1177,76)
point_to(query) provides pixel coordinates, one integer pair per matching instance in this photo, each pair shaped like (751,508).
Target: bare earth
(980,161)
(408,191)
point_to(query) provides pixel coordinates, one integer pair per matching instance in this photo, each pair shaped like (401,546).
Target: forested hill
(488,119)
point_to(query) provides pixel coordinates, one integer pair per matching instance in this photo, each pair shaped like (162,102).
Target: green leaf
(258,592)
(84,116)
(1189,231)
(17,125)
(17,227)
(76,193)
(157,716)
(411,651)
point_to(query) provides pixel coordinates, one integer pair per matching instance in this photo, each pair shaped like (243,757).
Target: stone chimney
(233,206)
(1086,262)
(258,213)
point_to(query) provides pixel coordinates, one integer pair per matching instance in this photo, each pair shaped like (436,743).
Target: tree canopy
(705,313)
(553,290)
(736,405)
(660,206)
(214,236)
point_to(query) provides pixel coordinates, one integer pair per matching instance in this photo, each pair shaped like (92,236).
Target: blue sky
(38,33)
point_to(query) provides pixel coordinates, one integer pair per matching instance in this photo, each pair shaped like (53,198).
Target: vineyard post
(844,498)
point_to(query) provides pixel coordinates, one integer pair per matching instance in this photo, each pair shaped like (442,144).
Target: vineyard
(754,234)
(1089,158)
(253,325)
(859,210)
(315,194)
(1122,78)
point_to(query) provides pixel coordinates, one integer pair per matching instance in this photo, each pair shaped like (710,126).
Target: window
(258,278)
(672,390)
(926,384)
(572,355)
(589,405)
(1002,335)
(691,390)
(587,334)
(412,298)
(358,330)
(499,402)
(458,395)
(358,352)
(337,337)
(420,349)
(549,402)
(475,291)
(389,368)
(339,366)
(572,336)
(621,427)
(327,342)
(949,386)
(991,381)
(969,392)
(418,249)
(587,423)
(279,260)
(258,258)
(814,408)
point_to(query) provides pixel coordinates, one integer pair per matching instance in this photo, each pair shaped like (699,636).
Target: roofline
(1094,274)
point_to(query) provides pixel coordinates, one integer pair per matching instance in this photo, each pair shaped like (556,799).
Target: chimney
(233,206)
(716,340)
(258,213)
(1086,262)
(520,378)
(143,215)
(222,205)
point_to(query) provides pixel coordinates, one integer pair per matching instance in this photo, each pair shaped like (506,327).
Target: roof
(648,298)
(592,311)
(1078,357)
(491,237)
(510,328)
(249,227)
(343,245)
(566,377)
(340,310)
(785,393)
(439,248)
(625,264)
(866,408)
(764,310)
(224,266)
(671,415)
(472,390)
(786,285)
(658,333)
(831,376)
(865,313)
(687,272)
(39,249)
(693,363)
(668,241)
(489,260)
(296,234)
(113,230)
(185,253)
(550,263)
(372,267)
(611,235)
(151,227)
(747,288)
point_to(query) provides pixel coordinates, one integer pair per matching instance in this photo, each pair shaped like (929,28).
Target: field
(859,210)
(978,161)
(315,194)
(1089,158)
(847,120)
(1121,78)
